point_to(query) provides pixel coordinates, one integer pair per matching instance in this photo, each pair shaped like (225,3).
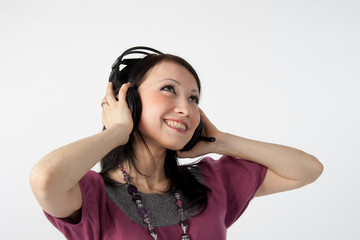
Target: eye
(169,88)
(194,99)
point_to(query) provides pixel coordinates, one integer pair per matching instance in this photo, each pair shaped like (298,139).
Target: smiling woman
(151,117)
(171,100)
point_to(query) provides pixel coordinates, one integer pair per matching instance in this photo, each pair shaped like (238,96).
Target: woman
(151,116)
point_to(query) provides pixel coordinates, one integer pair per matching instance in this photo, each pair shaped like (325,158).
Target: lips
(178,125)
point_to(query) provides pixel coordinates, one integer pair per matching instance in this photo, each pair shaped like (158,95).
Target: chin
(175,147)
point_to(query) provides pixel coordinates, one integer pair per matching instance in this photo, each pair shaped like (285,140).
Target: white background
(281,71)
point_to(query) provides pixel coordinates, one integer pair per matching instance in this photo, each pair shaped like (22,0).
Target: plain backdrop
(281,71)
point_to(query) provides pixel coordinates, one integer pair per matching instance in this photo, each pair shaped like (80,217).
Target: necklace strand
(144,214)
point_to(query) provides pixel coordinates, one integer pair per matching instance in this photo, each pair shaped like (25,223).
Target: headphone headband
(117,73)
(134,50)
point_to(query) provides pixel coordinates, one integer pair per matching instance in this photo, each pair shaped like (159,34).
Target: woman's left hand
(203,147)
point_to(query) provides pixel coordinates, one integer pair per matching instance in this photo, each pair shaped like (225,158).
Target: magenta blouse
(233,182)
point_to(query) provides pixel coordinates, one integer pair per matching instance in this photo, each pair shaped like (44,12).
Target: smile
(177,125)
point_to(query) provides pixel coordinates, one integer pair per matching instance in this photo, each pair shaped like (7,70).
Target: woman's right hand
(116,113)
(54,179)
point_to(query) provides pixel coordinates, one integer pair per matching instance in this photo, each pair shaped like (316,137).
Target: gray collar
(161,207)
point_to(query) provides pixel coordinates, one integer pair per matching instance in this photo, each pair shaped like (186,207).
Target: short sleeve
(93,198)
(234,182)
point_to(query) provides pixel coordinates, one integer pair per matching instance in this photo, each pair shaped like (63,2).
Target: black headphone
(120,75)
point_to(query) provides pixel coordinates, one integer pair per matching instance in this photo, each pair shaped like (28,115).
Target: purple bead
(143,212)
(126,178)
(132,189)
(179,203)
(136,197)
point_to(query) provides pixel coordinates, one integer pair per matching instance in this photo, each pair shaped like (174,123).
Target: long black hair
(181,177)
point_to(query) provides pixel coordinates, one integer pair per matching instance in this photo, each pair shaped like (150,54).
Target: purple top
(233,182)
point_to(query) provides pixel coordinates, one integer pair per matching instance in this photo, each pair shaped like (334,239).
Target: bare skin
(54,179)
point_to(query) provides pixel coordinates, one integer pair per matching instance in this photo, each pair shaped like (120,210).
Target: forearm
(60,170)
(285,161)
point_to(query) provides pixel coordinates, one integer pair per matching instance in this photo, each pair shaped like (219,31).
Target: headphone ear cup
(134,102)
(114,78)
(194,139)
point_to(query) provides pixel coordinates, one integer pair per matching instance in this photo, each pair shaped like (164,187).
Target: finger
(109,88)
(180,154)
(122,92)
(186,154)
(183,154)
(109,96)
(104,104)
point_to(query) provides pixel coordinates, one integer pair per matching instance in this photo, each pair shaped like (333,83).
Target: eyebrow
(177,82)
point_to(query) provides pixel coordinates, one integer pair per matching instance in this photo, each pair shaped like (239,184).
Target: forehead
(170,70)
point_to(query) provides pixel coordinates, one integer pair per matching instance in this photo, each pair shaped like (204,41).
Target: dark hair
(181,177)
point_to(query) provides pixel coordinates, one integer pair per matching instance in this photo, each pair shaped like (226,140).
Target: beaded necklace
(144,214)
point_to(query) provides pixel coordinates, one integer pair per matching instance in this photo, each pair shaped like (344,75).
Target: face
(169,95)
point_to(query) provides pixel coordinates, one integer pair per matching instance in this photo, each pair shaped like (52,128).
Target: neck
(150,177)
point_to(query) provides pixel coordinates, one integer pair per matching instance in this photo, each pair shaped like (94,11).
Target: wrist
(229,144)
(118,135)
(220,143)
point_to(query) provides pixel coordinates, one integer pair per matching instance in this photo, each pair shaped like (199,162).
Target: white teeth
(176,124)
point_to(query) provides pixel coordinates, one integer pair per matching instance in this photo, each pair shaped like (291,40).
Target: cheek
(154,103)
(152,108)
(195,118)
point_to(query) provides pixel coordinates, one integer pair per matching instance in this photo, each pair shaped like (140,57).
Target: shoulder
(92,177)
(92,210)
(228,169)
(229,163)
(233,182)
(92,184)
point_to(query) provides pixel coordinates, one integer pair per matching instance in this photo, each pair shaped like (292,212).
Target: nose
(183,107)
